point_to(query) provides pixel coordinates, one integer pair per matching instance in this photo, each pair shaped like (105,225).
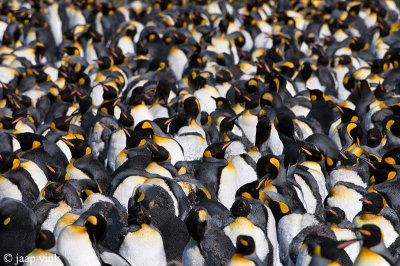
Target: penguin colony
(199,133)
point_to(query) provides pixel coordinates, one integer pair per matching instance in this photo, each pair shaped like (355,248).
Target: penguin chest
(347,199)
(192,255)
(36,173)
(126,45)
(204,95)
(370,258)
(389,233)
(305,194)
(65,149)
(157,169)
(192,141)
(75,173)
(158,111)
(239,260)
(74,244)
(126,188)
(143,247)
(345,175)
(141,112)
(274,142)
(172,147)
(177,60)
(117,144)
(248,123)
(243,226)
(227,185)
(246,173)
(8,189)
(41,257)
(53,216)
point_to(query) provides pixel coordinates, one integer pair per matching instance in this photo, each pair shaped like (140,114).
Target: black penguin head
(374,137)
(28,140)
(284,124)
(126,119)
(85,103)
(227,124)
(241,208)
(191,107)
(331,249)
(245,245)
(78,147)
(311,153)
(96,226)
(223,75)
(196,223)
(263,128)
(8,160)
(53,192)
(71,50)
(105,62)
(216,150)
(348,115)
(151,196)
(334,215)
(355,132)
(45,239)
(138,216)
(373,203)
(348,158)
(381,172)
(117,55)
(61,123)
(372,235)
(159,153)
(163,90)
(392,124)
(268,166)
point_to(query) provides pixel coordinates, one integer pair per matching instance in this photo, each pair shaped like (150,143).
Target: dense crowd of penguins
(199,133)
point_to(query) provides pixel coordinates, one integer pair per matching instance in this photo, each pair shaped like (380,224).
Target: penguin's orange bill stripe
(306,151)
(333,212)
(344,155)
(17,120)
(68,143)
(226,145)
(126,132)
(347,243)
(370,164)
(50,168)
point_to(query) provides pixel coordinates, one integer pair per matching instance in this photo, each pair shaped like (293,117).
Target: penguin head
(28,140)
(78,147)
(372,235)
(373,202)
(196,222)
(392,125)
(348,115)
(216,150)
(263,128)
(151,196)
(138,215)
(85,103)
(45,239)
(96,226)
(241,208)
(245,245)
(374,137)
(105,62)
(117,54)
(126,119)
(311,153)
(191,107)
(222,102)
(348,158)
(227,124)
(163,89)
(53,192)
(284,124)
(355,131)
(334,215)
(159,153)
(61,123)
(8,160)
(381,172)
(268,166)
(223,75)
(331,249)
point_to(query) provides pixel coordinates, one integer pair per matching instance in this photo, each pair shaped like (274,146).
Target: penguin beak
(346,243)
(126,132)
(344,155)
(366,201)
(50,168)
(68,142)
(169,120)
(227,145)
(333,212)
